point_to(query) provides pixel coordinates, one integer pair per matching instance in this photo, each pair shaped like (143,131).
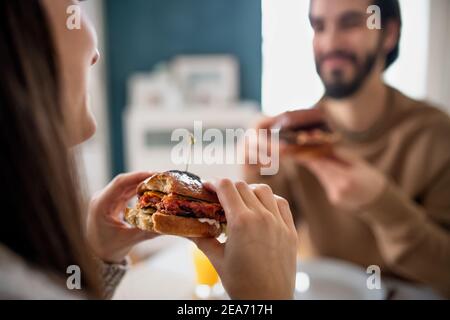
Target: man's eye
(318,27)
(352,23)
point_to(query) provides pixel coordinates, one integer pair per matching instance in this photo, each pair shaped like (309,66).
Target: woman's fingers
(123,184)
(127,179)
(112,200)
(265,196)
(229,198)
(137,235)
(285,211)
(238,196)
(248,196)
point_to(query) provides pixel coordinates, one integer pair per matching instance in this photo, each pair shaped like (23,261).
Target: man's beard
(337,88)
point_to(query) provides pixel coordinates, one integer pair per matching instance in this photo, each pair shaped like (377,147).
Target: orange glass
(205,272)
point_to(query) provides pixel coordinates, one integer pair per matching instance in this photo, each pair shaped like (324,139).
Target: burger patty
(173,204)
(150,199)
(315,137)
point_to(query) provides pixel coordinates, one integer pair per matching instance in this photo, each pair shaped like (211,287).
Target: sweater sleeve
(415,240)
(111,275)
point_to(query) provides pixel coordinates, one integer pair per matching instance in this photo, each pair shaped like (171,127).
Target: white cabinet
(148,133)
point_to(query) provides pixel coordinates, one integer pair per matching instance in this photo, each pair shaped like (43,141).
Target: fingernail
(214,180)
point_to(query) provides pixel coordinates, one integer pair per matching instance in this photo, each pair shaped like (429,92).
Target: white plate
(328,279)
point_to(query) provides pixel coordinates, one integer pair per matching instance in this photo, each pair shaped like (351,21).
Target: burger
(308,135)
(177,203)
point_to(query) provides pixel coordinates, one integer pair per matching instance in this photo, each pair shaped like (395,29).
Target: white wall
(409,73)
(289,77)
(439,56)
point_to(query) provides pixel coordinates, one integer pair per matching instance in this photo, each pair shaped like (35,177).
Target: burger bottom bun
(172,225)
(184,227)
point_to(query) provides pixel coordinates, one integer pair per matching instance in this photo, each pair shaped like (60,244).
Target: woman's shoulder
(19,280)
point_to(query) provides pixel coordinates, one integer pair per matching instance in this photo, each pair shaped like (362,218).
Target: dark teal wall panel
(142,33)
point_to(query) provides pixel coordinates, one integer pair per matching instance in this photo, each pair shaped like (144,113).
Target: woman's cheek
(90,123)
(80,121)
(86,123)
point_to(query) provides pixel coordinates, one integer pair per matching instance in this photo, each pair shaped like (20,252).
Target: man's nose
(332,40)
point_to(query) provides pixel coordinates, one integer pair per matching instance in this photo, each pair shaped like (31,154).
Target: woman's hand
(258,260)
(109,236)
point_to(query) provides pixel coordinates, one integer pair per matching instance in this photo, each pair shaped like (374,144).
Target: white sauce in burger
(210,222)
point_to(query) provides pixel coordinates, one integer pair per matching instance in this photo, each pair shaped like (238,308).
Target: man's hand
(350,183)
(286,120)
(109,236)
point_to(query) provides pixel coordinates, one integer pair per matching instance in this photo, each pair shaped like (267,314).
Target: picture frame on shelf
(210,81)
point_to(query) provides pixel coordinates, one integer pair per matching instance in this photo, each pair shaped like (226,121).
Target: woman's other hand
(110,237)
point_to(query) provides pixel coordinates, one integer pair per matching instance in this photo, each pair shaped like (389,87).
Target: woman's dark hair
(390,11)
(42,209)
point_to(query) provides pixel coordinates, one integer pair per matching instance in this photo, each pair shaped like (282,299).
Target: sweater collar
(377,129)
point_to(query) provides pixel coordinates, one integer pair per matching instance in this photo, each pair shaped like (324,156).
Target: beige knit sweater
(406,231)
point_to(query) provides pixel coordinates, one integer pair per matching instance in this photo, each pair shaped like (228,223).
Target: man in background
(384,198)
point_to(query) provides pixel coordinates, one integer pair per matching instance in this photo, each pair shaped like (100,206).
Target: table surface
(169,274)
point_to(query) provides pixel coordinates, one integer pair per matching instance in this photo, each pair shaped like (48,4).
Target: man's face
(345,49)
